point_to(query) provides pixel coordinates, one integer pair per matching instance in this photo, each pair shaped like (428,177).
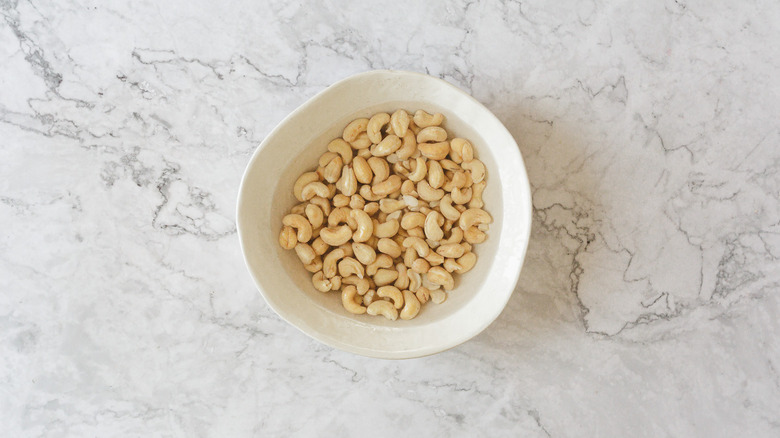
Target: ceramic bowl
(294,146)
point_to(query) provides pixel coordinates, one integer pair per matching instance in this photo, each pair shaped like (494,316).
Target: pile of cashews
(390,213)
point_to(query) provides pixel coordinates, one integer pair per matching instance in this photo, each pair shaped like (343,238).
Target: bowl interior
(294,147)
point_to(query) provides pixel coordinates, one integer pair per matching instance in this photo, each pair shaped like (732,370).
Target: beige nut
(439,275)
(433,222)
(402,282)
(387,146)
(336,236)
(419,170)
(456,236)
(391,205)
(362,284)
(432,134)
(348,296)
(362,170)
(474,216)
(434,151)
(335,283)
(428,193)
(436,176)
(364,253)
(354,128)
(384,277)
(451,250)
(424,120)
(287,237)
(386,229)
(302,181)
(313,189)
(340,200)
(322,203)
(438,296)
(369,297)
(476,197)
(330,262)
(399,121)
(389,247)
(415,280)
(408,146)
(434,258)
(315,265)
(384,308)
(382,261)
(319,246)
(450,265)
(474,235)
(333,170)
(410,255)
(368,195)
(349,266)
(449,165)
(356,202)
(476,168)
(342,148)
(326,158)
(365,227)
(408,188)
(412,220)
(421,266)
(374,127)
(411,305)
(461,196)
(388,186)
(446,208)
(314,215)
(393,293)
(339,216)
(347,184)
(423,295)
(371,207)
(300,224)
(361,144)
(305,253)
(299,208)
(321,283)
(380,169)
(462,150)
(466,262)
(418,244)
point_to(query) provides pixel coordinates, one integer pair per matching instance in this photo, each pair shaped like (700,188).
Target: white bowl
(293,147)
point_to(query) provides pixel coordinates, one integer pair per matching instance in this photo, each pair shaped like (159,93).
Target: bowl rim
(387,354)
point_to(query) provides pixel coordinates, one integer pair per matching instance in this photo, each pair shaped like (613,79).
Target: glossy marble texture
(648,304)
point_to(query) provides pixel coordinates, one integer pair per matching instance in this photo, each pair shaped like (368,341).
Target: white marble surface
(648,305)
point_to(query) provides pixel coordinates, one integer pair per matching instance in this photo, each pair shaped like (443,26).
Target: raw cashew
(476,197)
(388,186)
(438,296)
(313,189)
(428,193)
(321,283)
(340,200)
(336,236)
(391,205)
(362,170)
(341,215)
(456,236)
(349,266)
(434,151)
(389,247)
(447,209)
(356,202)
(408,146)
(354,128)
(364,253)
(399,121)
(342,148)
(393,293)
(287,238)
(329,264)
(474,235)
(361,144)
(319,246)
(434,258)
(461,196)
(380,168)
(300,183)
(451,250)
(299,223)
(384,308)
(402,282)
(433,222)
(347,184)
(368,195)
(365,227)
(476,168)
(419,170)
(462,150)
(382,261)
(424,120)
(418,244)
(431,134)
(467,261)
(412,220)
(348,301)
(333,170)
(315,265)
(386,229)
(474,216)
(449,165)
(439,275)
(315,215)
(322,203)
(371,207)
(387,146)
(435,174)
(415,280)
(305,253)
(327,157)
(411,305)
(423,295)
(374,127)
(384,277)
(362,284)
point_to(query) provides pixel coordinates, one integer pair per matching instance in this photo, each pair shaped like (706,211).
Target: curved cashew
(474,235)
(434,151)
(365,227)
(356,202)
(456,236)
(449,165)
(435,174)
(348,301)
(315,265)
(389,247)
(387,146)
(319,246)
(393,293)
(388,186)
(362,284)
(462,150)
(382,261)
(450,265)
(419,170)
(322,203)
(432,134)
(333,170)
(423,295)
(412,220)
(321,283)
(340,200)
(305,253)
(476,168)
(459,179)
(374,127)
(299,208)
(361,144)
(428,193)
(349,266)
(461,196)
(362,170)
(399,121)
(446,208)
(315,216)
(467,261)
(384,277)
(335,283)
(384,308)
(402,282)
(342,148)
(474,216)
(329,264)
(354,128)
(300,183)
(287,237)
(388,205)
(411,305)
(434,258)
(368,195)
(399,169)
(428,284)
(313,189)
(371,207)
(418,244)
(336,236)
(415,280)
(421,266)
(438,296)
(380,168)
(347,184)
(451,250)
(386,229)
(424,120)
(299,223)
(476,198)
(439,275)
(364,253)
(433,222)
(340,215)
(408,146)
(326,158)
(408,188)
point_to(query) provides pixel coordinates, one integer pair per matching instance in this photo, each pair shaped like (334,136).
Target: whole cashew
(423,295)
(299,223)
(368,195)
(421,266)
(333,170)
(365,227)
(451,250)
(361,144)
(461,196)
(433,222)
(476,168)
(322,203)
(393,293)
(348,301)
(438,296)
(418,244)
(386,229)
(415,281)
(319,246)
(474,235)
(305,253)
(336,236)
(428,193)
(340,200)
(389,247)
(408,146)
(439,275)
(412,220)
(341,215)
(449,165)
(456,236)
(476,198)
(321,283)
(354,128)
(384,308)
(374,127)
(287,238)
(388,186)
(364,253)
(462,150)
(446,208)
(362,170)
(411,306)
(419,170)
(315,216)
(435,174)
(329,264)
(399,121)
(349,266)
(459,179)
(342,148)
(382,261)
(431,134)
(450,265)
(380,168)
(474,216)
(371,207)
(467,261)
(313,189)
(315,265)
(356,202)
(299,208)
(424,120)
(305,178)
(362,284)
(388,205)
(434,258)
(384,277)
(347,184)
(434,151)
(402,282)
(409,188)
(387,146)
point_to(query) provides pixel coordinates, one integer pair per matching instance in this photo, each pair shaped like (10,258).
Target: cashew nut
(419,170)
(315,265)
(389,247)
(384,308)
(466,262)
(439,275)
(474,235)
(402,282)
(364,253)
(305,253)
(399,121)
(347,184)
(388,186)
(431,134)
(434,258)
(393,293)
(365,227)
(354,128)
(423,295)
(382,261)
(474,216)
(451,250)
(387,146)
(300,183)
(380,168)
(476,197)
(319,246)
(418,244)
(462,150)
(333,170)
(411,305)
(421,266)
(342,148)
(371,207)
(362,170)
(435,174)
(438,296)
(315,216)
(336,236)
(428,193)
(391,205)
(434,151)
(322,203)
(299,223)
(362,284)
(329,264)
(456,236)
(374,127)
(368,195)
(348,300)
(349,266)
(461,196)
(476,168)
(386,229)
(384,277)
(287,238)
(341,215)
(408,146)
(361,144)
(424,120)
(433,222)
(313,189)
(412,220)
(321,283)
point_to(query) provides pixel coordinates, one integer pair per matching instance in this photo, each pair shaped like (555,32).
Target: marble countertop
(648,304)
